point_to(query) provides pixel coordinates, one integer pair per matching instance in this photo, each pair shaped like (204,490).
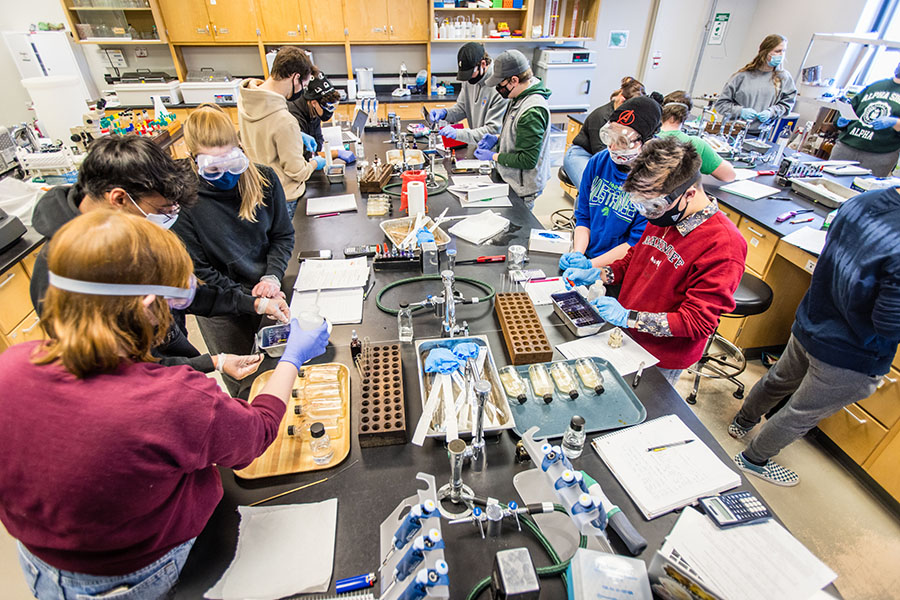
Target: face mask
(897,72)
(623,157)
(776,60)
(503,90)
(164,221)
(226,181)
(327,112)
(177,298)
(671,216)
(476,78)
(295,95)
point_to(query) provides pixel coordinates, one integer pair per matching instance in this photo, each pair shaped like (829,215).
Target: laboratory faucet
(458,452)
(450,328)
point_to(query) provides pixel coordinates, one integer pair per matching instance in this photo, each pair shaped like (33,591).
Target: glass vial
(590,375)
(320,444)
(355,345)
(514,384)
(541,382)
(405,323)
(562,375)
(573,438)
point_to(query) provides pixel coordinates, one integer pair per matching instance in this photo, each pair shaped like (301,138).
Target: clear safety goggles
(176,297)
(653,208)
(615,135)
(213,167)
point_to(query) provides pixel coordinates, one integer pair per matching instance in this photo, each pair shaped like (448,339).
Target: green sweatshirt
(881,99)
(531,128)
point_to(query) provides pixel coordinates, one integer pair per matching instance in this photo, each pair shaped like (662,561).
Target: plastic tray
(811,187)
(396,230)
(616,407)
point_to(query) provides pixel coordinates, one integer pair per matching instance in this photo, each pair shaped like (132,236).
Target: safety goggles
(615,135)
(176,297)
(213,167)
(653,208)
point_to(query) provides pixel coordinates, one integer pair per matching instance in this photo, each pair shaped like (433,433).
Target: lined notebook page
(660,482)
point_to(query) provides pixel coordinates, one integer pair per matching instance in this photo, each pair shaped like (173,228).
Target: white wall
(720,61)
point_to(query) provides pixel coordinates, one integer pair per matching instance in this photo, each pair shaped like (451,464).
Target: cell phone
(314,255)
(353,251)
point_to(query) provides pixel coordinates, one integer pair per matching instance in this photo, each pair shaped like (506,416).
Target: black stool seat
(753,296)
(564,177)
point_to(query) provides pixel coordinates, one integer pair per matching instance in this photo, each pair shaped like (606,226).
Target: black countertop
(24,246)
(370,490)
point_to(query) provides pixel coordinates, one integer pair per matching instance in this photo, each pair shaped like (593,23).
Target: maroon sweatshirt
(692,278)
(106,474)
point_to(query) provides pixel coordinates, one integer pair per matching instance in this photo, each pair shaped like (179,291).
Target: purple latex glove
(449,131)
(484,154)
(304,344)
(488,141)
(346,156)
(884,123)
(611,311)
(437,114)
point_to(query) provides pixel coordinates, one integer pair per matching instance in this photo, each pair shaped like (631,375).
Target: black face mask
(670,217)
(326,114)
(476,78)
(295,95)
(503,90)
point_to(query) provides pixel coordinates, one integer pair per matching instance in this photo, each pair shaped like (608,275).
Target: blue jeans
(671,375)
(292,208)
(574,162)
(154,581)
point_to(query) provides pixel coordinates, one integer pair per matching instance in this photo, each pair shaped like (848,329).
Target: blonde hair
(209,127)
(94,334)
(769,43)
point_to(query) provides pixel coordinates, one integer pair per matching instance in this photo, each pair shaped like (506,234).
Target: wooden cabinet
(28,330)
(323,20)
(371,21)
(219,21)
(408,21)
(14,298)
(733,215)
(233,21)
(855,431)
(28,261)
(281,20)
(760,245)
(408,110)
(186,20)
(884,404)
(883,468)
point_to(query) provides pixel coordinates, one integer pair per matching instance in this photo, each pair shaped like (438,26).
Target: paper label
(754,242)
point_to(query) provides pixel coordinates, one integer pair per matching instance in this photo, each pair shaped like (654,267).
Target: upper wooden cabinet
(371,21)
(301,21)
(210,21)
(323,20)
(281,20)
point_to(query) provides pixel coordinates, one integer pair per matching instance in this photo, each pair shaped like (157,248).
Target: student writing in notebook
(683,272)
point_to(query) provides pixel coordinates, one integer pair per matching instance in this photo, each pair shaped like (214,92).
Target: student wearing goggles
(314,107)
(683,272)
(239,233)
(607,224)
(112,459)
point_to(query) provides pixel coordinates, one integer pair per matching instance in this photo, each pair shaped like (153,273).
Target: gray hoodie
(756,90)
(482,106)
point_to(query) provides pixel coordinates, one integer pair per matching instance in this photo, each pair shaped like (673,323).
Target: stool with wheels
(564,218)
(753,297)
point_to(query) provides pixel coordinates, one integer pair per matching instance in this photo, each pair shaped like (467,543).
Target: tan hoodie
(271,136)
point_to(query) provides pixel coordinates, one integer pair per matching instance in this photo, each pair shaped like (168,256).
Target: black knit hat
(641,114)
(317,87)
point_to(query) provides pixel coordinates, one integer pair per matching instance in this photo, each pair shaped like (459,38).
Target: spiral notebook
(666,479)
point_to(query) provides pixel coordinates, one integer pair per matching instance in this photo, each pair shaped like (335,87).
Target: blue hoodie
(605,208)
(850,317)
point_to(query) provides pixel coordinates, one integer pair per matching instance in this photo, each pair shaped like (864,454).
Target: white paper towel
(415,197)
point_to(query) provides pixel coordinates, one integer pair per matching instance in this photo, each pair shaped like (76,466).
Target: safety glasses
(177,298)
(213,167)
(615,135)
(653,208)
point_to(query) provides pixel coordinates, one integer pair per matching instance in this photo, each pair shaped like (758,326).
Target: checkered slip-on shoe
(738,432)
(771,471)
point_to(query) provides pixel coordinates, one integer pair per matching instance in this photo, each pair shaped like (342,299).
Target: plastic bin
(140,94)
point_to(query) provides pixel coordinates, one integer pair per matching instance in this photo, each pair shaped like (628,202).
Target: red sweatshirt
(106,474)
(691,278)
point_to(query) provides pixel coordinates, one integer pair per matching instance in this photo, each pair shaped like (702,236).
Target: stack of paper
(334,287)
(330,204)
(480,228)
(742,174)
(747,562)
(807,238)
(540,291)
(749,189)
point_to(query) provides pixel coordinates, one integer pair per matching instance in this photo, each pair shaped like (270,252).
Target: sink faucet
(450,327)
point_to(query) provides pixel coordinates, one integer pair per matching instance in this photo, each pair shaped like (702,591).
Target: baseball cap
(509,63)
(317,87)
(468,57)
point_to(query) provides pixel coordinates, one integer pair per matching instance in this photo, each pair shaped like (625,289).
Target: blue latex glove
(442,360)
(464,350)
(309,142)
(842,122)
(611,311)
(884,123)
(575,276)
(748,114)
(488,141)
(423,235)
(484,154)
(574,260)
(437,114)
(320,162)
(346,156)
(764,116)
(449,131)
(304,344)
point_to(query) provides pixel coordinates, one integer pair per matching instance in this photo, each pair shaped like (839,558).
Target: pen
(543,279)
(351,584)
(637,376)
(327,215)
(482,260)
(798,221)
(666,446)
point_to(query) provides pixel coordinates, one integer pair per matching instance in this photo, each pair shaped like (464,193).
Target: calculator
(738,508)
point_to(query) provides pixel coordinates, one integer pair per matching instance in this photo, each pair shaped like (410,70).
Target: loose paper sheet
(332,274)
(626,359)
(539,291)
(807,238)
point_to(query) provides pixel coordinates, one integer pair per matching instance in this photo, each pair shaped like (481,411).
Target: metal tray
(810,187)
(397,229)
(616,407)
(583,319)
(498,396)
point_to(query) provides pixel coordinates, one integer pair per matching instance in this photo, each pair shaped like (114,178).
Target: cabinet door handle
(755,232)
(8,279)
(298,27)
(305,29)
(855,418)
(216,28)
(207,30)
(392,30)
(33,325)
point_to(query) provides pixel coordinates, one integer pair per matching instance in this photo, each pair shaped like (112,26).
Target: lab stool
(564,218)
(752,297)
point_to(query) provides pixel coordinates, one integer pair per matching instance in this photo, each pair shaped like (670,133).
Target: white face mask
(623,157)
(164,221)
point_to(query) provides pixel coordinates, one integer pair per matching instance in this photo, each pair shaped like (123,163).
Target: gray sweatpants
(819,390)
(881,163)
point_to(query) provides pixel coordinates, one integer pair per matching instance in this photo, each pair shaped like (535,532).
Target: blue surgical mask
(776,60)
(226,181)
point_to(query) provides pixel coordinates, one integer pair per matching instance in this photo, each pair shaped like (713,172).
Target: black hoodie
(59,206)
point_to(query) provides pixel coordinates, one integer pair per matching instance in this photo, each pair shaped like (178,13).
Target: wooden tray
(291,454)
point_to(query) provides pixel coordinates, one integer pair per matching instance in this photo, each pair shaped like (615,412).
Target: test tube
(451,258)
(541,382)
(590,375)
(562,375)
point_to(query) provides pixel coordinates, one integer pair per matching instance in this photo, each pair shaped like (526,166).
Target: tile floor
(829,511)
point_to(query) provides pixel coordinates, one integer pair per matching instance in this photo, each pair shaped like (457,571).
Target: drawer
(433,105)
(855,431)
(406,111)
(884,404)
(883,468)
(27,331)
(28,261)
(15,301)
(760,245)
(733,215)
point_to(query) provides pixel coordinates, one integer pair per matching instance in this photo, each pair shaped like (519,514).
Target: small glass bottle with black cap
(573,438)
(320,444)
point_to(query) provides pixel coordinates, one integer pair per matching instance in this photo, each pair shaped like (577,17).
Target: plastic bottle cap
(434,535)
(442,567)
(573,394)
(567,475)
(404,305)
(548,398)
(429,506)
(585,500)
(577,423)
(521,398)
(317,430)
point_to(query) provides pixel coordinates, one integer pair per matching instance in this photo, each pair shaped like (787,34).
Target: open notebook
(662,481)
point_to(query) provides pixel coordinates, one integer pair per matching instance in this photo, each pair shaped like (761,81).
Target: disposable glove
(575,276)
(238,367)
(764,116)
(437,114)
(320,162)
(748,114)
(611,311)
(304,344)
(442,360)
(309,142)
(423,236)
(346,156)
(464,350)
(575,260)
(268,287)
(884,123)
(484,154)
(842,122)
(449,131)
(488,141)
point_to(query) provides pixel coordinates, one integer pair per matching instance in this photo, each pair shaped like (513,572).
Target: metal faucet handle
(482,390)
